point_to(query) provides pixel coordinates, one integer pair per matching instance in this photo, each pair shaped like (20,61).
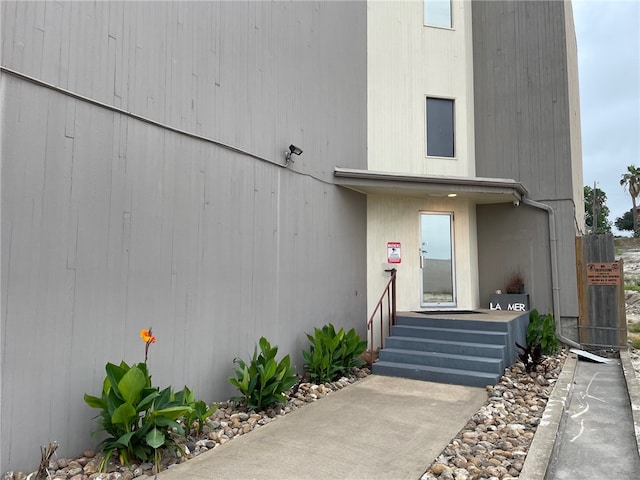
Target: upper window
(437,13)
(440,134)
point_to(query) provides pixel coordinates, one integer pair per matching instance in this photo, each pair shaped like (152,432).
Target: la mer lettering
(514,302)
(516,307)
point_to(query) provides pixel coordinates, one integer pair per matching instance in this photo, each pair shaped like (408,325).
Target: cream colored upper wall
(407,62)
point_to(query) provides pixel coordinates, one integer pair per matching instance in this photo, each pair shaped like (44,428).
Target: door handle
(421,259)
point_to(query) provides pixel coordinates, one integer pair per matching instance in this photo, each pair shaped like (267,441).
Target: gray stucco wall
(527,129)
(111,224)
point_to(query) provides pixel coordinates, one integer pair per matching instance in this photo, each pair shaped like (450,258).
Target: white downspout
(553,244)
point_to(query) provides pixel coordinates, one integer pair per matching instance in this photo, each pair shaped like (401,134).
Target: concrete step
(460,323)
(436,374)
(445,360)
(451,334)
(446,346)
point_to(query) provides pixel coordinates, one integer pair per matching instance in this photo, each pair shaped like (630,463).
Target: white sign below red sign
(393,252)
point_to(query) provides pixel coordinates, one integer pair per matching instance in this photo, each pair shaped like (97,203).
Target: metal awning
(478,189)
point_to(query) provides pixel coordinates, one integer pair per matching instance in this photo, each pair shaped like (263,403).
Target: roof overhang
(478,189)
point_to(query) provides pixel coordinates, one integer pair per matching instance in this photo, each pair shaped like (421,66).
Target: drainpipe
(553,243)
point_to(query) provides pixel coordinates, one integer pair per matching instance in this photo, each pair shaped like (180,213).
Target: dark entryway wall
(514,239)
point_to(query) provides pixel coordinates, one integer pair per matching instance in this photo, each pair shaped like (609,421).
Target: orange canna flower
(147,336)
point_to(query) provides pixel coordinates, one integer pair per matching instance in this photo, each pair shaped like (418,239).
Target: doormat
(450,312)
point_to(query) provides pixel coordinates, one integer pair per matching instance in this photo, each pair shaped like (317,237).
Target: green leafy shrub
(542,331)
(332,354)
(136,416)
(263,381)
(198,414)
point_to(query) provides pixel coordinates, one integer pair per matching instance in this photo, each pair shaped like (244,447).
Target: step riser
(432,333)
(422,345)
(461,378)
(453,323)
(445,361)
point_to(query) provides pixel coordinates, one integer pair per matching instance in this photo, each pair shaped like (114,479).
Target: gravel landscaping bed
(492,445)
(228,422)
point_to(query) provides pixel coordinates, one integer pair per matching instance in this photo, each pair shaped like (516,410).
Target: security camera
(516,203)
(293,150)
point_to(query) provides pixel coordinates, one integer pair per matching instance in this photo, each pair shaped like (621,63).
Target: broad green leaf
(164,399)
(114,375)
(264,345)
(270,369)
(170,412)
(125,414)
(146,401)
(125,439)
(213,409)
(132,384)
(167,422)
(245,379)
(155,438)
(94,402)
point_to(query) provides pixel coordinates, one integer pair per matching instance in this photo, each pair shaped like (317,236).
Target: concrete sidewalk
(380,427)
(393,428)
(591,426)
(597,438)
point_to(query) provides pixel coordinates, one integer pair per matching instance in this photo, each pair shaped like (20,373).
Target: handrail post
(389,292)
(392,316)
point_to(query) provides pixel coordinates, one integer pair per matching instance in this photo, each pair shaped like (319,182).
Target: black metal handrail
(389,293)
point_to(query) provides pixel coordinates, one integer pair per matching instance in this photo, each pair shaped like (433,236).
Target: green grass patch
(632,284)
(634,339)
(634,327)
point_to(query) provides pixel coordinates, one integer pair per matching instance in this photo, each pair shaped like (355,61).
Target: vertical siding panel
(19,41)
(61,73)
(90,196)
(116,41)
(118,245)
(8,34)
(23,187)
(57,282)
(51,24)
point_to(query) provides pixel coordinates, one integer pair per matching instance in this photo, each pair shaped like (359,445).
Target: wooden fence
(603,320)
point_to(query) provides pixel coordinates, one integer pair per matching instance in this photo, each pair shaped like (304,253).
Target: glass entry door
(436,260)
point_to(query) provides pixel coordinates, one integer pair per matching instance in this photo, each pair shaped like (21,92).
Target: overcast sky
(608,36)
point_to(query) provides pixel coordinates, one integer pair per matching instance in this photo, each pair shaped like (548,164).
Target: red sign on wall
(393,252)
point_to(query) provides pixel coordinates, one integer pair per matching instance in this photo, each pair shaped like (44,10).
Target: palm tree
(631,181)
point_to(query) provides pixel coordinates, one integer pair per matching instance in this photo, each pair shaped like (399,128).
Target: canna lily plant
(137,416)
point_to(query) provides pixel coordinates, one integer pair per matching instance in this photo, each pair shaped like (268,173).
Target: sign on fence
(603,273)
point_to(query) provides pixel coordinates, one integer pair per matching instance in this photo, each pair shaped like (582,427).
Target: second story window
(440,133)
(437,13)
